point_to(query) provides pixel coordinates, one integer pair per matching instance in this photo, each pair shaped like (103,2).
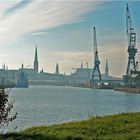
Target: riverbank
(102,86)
(127,89)
(116,127)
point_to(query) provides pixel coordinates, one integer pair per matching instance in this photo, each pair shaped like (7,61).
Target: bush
(5,108)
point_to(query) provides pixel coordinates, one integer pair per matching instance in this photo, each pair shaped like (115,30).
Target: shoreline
(120,126)
(128,90)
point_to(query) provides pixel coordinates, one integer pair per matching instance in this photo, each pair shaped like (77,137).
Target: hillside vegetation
(116,127)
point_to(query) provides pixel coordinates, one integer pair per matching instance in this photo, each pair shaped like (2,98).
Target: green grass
(116,127)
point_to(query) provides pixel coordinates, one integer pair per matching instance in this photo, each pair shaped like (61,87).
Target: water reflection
(43,105)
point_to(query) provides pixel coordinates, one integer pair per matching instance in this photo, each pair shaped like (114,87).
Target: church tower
(57,69)
(36,60)
(81,65)
(106,69)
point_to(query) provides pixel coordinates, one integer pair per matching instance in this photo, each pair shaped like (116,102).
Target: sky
(63,32)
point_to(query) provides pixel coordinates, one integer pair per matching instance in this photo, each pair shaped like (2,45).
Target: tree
(5,107)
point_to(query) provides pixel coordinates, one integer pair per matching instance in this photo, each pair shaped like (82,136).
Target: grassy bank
(117,127)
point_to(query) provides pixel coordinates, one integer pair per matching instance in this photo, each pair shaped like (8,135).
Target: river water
(45,105)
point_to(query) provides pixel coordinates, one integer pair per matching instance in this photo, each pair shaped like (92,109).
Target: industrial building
(82,75)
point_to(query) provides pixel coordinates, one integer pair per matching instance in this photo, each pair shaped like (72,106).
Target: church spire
(4,66)
(106,68)
(81,65)
(22,66)
(36,56)
(36,60)
(57,69)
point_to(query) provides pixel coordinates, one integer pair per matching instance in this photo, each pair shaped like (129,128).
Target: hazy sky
(63,33)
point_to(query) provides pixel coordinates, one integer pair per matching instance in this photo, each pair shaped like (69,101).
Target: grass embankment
(117,127)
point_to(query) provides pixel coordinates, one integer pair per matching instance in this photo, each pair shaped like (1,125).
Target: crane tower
(96,75)
(131,37)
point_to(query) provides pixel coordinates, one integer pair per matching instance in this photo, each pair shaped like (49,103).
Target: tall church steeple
(22,66)
(36,60)
(57,69)
(81,65)
(106,68)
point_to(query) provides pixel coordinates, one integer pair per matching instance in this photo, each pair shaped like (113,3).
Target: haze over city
(63,33)
(69,70)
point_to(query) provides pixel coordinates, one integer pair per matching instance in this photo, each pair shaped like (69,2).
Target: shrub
(5,107)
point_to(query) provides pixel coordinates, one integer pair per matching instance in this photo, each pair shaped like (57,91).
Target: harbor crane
(131,38)
(96,75)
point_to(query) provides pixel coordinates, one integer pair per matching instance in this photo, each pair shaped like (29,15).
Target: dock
(128,89)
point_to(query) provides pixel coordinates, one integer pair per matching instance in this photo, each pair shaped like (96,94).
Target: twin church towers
(36,63)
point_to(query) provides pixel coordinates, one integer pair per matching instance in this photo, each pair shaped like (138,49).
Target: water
(45,105)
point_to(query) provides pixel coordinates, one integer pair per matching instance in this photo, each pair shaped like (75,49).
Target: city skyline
(63,32)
